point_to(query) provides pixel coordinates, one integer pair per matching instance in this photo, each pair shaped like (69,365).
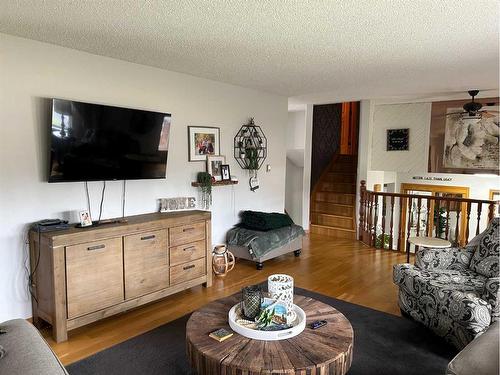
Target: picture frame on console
(203,141)
(225,172)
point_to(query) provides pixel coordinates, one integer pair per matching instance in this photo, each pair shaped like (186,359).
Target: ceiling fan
(473,109)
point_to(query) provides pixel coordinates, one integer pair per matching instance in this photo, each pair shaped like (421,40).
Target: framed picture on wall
(203,141)
(398,139)
(214,166)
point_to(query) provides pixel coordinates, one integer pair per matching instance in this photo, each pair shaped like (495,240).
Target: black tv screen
(90,142)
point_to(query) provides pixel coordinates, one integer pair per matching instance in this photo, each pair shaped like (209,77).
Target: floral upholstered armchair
(454,291)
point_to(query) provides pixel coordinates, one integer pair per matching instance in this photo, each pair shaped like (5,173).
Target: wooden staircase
(333,201)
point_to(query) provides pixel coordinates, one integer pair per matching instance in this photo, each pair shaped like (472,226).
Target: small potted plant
(205,180)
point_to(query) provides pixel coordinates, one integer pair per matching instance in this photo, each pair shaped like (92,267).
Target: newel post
(362,211)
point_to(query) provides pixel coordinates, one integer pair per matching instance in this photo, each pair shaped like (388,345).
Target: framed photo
(225,172)
(398,139)
(214,164)
(203,141)
(85,220)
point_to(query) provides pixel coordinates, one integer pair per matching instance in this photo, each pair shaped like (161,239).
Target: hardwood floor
(345,269)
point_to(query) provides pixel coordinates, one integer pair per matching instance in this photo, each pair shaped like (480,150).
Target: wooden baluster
(383,221)
(491,211)
(410,222)
(428,225)
(401,223)
(479,208)
(467,223)
(391,241)
(370,220)
(437,207)
(457,228)
(419,208)
(362,212)
(447,227)
(374,234)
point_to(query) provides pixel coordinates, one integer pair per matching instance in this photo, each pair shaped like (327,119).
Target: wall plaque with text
(398,139)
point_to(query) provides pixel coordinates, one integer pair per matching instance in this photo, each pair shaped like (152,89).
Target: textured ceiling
(354,49)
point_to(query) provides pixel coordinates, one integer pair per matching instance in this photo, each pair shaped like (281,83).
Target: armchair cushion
(485,260)
(451,258)
(491,295)
(418,281)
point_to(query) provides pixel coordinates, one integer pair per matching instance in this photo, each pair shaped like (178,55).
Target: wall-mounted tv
(91,142)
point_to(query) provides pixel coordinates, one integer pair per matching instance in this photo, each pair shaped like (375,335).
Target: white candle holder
(280,288)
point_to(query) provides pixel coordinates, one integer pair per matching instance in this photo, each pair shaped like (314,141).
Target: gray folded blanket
(260,243)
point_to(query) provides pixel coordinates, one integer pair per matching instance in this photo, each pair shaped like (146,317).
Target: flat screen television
(92,142)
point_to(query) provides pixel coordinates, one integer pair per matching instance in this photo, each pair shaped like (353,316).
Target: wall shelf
(216,183)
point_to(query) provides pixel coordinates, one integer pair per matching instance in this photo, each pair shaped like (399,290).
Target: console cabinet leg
(59,332)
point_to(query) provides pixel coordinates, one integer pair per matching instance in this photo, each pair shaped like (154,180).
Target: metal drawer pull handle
(188,267)
(189,248)
(187,229)
(148,237)
(96,247)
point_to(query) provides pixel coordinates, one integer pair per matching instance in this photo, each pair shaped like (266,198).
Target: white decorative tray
(298,326)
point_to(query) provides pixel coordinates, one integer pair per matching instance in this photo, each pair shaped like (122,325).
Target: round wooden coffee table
(327,350)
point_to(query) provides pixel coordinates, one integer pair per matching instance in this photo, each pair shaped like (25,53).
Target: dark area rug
(383,344)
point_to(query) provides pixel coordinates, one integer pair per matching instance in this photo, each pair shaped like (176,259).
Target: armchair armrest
(452,258)
(491,295)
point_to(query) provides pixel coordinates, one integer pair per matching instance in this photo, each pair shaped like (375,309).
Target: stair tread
(336,228)
(332,215)
(336,204)
(333,192)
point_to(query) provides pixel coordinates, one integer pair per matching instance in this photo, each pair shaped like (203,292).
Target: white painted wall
(31,70)
(306,181)
(416,117)
(295,165)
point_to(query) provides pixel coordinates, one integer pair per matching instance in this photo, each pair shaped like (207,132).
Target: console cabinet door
(145,263)
(94,276)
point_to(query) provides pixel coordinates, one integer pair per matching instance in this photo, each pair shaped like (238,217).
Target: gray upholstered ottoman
(26,352)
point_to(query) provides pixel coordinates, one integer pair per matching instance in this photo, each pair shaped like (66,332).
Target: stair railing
(388,220)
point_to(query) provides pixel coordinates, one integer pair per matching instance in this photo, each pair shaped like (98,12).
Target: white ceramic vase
(280,288)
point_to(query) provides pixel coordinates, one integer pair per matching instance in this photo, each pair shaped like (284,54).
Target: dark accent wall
(325,137)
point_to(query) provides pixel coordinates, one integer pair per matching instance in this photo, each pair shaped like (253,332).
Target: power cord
(123,197)
(102,200)
(88,198)
(31,274)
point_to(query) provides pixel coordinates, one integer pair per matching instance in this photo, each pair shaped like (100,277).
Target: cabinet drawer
(145,263)
(187,233)
(187,271)
(94,276)
(186,253)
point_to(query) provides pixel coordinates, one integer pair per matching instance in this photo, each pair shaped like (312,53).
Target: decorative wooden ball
(222,260)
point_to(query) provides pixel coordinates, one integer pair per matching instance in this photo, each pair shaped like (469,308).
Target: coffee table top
(328,348)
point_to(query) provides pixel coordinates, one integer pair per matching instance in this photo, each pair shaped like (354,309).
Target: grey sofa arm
(452,258)
(480,357)
(26,352)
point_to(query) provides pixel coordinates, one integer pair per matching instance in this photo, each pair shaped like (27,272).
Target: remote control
(317,324)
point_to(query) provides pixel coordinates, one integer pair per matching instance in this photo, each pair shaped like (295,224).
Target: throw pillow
(485,260)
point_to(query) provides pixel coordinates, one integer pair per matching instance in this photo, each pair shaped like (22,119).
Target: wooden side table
(327,350)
